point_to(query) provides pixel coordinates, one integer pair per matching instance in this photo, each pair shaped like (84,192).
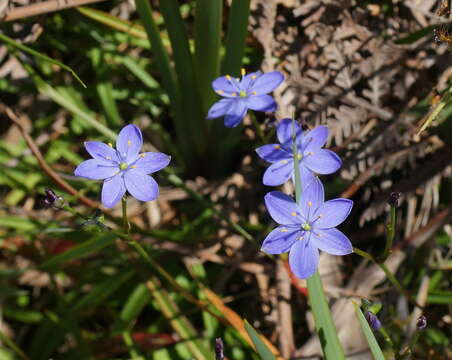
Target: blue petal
(235,113)
(282,208)
(278,173)
(285,130)
(315,138)
(140,186)
(323,161)
(99,150)
(311,198)
(332,213)
(267,82)
(281,239)
(261,103)
(306,176)
(95,169)
(151,162)
(303,258)
(220,108)
(332,241)
(113,190)
(226,86)
(248,80)
(273,153)
(129,143)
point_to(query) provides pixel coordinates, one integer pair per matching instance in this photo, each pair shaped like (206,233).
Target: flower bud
(421,322)
(373,321)
(219,355)
(52,200)
(394,198)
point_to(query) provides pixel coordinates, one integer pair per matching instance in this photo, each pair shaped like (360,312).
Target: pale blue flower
(123,168)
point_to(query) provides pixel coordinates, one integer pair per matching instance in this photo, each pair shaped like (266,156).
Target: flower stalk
(331,347)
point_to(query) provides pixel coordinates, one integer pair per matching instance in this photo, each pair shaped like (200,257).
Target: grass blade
(193,123)
(236,36)
(79,251)
(37,54)
(324,325)
(208,21)
(179,322)
(114,22)
(368,333)
(262,349)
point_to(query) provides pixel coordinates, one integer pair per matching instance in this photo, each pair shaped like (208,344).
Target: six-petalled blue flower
(311,157)
(307,227)
(250,92)
(124,168)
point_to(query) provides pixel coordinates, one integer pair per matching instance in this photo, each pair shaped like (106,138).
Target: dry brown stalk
(44,7)
(42,163)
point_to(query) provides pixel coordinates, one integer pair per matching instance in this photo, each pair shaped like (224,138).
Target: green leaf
(102,290)
(194,124)
(261,348)
(62,98)
(79,251)
(113,22)
(37,54)
(208,21)
(236,36)
(324,324)
(368,333)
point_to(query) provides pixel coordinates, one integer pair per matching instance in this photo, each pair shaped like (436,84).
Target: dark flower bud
(421,322)
(219,355)
(394,198)
(373,321)
(52,200)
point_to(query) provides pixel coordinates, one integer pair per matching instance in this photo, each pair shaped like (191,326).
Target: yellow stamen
(283,161)
(234,94)
(228,77)
(142,155)
(253,77)
(243,71)
(253,92)
(309,203)
(284,230)
(277,146)
(293,213)
(133,167)
(220,92)
(129,142)
(109,144)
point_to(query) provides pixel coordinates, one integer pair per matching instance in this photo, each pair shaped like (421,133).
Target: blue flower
(306,228)
(250,92)
(124,168)
(311,157)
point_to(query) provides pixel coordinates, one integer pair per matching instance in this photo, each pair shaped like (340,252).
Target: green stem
(125,220)
(259,132)
(324,324)
(390,235)
(388,274)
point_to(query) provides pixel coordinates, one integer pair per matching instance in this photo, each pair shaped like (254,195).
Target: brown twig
(44,7)
(42,163)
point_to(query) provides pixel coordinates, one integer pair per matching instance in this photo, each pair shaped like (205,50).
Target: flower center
(306,226)
(299,156)
(242,93)
(123,166)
